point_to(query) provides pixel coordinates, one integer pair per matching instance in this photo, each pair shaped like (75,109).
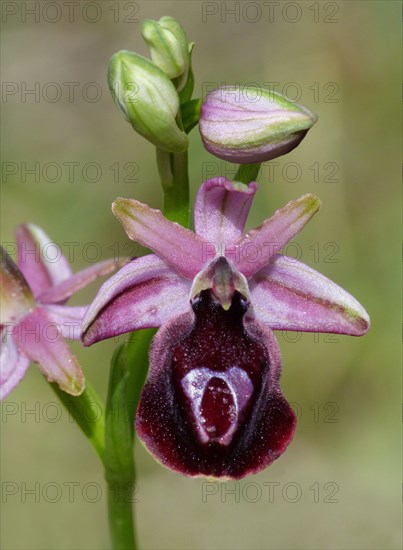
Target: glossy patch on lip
(216,400)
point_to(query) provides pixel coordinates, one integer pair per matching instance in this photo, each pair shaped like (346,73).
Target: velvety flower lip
(212,405)
(34,319)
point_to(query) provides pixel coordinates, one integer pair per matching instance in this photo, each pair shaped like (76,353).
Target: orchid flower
(34,319)
(212,404)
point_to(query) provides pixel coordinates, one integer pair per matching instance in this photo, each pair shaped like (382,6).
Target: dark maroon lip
(212,405)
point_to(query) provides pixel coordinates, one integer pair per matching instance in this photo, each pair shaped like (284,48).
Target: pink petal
(289,295)
(13,363)
(179,247)
(40,260)
(41,340)
(15,295)
(255,249)
(68,287)
(68,320)
(221,209)
(143,294)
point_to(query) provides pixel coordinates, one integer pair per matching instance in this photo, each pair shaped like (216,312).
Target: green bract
(147,99)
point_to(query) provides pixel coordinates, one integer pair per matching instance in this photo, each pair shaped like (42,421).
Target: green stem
(119,462)
(120,514)
(127,376)
(88,411)
(173,170)
(247,172)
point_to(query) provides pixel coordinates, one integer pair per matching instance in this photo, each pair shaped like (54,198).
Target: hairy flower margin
(212,405)
(34,319)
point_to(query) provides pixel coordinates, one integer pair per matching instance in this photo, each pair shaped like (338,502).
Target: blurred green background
(338,484)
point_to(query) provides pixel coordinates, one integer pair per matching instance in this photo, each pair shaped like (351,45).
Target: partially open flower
(250,124)
(34,319)
(212,404)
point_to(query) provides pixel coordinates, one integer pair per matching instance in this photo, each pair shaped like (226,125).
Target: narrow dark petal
(212,405)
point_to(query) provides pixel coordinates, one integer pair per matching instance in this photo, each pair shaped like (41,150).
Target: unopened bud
(169,47)
(147,99)
(251,124)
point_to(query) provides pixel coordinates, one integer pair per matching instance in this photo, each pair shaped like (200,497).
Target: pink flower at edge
(212,404)
(34,319)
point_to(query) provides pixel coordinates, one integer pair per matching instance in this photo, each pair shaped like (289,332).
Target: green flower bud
(147,99)
(169,47)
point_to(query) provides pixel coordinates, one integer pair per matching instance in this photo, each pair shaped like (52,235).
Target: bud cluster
(241,125)
(147,92)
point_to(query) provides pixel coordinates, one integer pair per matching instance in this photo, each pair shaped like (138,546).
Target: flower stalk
(173,171)
(129,368)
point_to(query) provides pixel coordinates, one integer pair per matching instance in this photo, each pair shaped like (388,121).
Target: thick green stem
(120,514)
(128,372)
(173,172)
